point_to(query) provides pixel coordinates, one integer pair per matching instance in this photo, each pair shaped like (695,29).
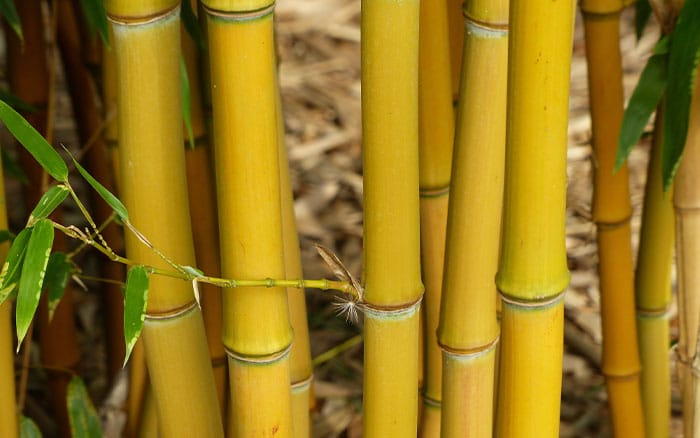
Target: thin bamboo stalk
(653,292)
(154,189)
(455,21)
(468,330)
(611,212)
(243,80)
(533,275)
(391,221)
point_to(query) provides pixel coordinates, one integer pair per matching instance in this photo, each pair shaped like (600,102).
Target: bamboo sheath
(532,274)
(154,190)
(468,330)
(653,292)
(243,80)
(686,201)
(435,134)
(611,212)
(393,288)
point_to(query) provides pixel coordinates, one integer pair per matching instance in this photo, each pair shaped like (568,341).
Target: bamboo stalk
(243,80)
(533,275)
(391,221)
(455,21)
(154,190)
(468,330)
(611,212)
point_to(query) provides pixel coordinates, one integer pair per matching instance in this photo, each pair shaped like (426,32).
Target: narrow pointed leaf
(12,267)
(105,194)
(16,102)
(642,12)
(6,236)
(10,167)
(84,421)
(48,203)
(58,272)
(186,105)
(189,20)
(34,143)
(9,13)
(96,17)
(681,75)
(645,98)
(135,300)
(32,278)
(28,429)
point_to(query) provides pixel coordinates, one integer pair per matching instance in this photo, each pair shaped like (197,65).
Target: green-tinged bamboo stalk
(455,20)
(154,189)
(611,212)
(686,201)
(533,275)
(436,134)
(257,333)
(468,330)
(391,221)
(653,293)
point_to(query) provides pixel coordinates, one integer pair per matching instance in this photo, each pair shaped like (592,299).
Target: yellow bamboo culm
(469,330)
(533,275)
(653,293)
(686,201)
(455,22)
(257,333)
(391,220)
(154,189)
(611,212)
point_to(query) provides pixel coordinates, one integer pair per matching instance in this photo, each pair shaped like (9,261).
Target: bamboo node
(435,193)
(484,28)
(259,360)
(537,303)
(302,385)
(391,312)
(471,353)
(240,15)
(614,225)
(173,313)
(146,19)
(431,402)
(653,313)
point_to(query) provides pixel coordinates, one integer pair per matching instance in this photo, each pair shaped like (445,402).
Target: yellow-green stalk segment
(154,189)
(436,134)
(653,292)
(532,274)
(611,212)
(686,201)
(202,194)
(257,333)
(391,221)
(468,331)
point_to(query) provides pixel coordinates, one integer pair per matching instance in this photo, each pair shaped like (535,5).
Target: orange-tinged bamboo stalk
(154,189)
(533,275)
(611,213)
(468,330)
(391,222)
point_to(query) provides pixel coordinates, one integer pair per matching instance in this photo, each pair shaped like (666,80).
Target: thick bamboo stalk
(468,330)
(436,133)
(154,189)
(391,225)
(243,80)
(533,275)
(455,21)
(686,201)
(653,292)
(611,212)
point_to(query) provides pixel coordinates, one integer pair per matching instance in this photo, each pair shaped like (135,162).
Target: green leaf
(32,278)
(186,105)
(681,76)
(96,17)
(189,20)
(9,12)
(645,98)
(135,301)
(9,165)
(6,236)
(16,102)
(642,12)
(105,194)
(663,46)
(34,143)
(84,421)
(48,203)
(9,275)
(58,272)
(28,429)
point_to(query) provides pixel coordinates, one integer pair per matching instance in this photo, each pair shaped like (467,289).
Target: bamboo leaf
(13,264)
(58,272)
(135,301)
(34,143)
(186,104)
(105,194)
(9,12)
(338,268)
(32,278)
(682,64)
(16,102)
(84,421)
(48,203)
(9,165)
(96,17)
(28,429)
(642,104)
(189,20)
(6,236)
(642,12)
